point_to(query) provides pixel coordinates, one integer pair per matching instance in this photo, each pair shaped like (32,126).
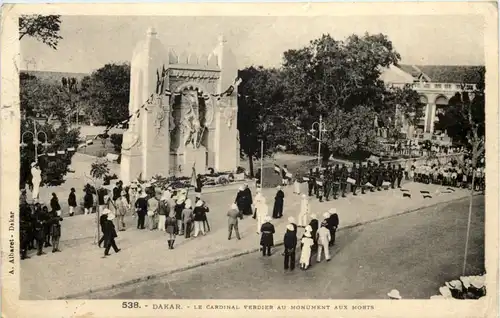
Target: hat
(199,203)
(106,211)
(445,291)
(278,187)
(332,211)
(33,164)
(314,216)
(289,227)
(111,216)
(324,224)
(188,203)
(259,190)
(133,185)
(267,218)
(180,200)
(291,219)
(234,206)
(394,294)
(308,228)
(198,195)
(241,188)
(454,284)
(307,234)
(106,198)
(123,193)
(166,195)
(326,215)
(143,195)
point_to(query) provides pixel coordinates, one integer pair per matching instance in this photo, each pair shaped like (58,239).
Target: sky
(89,42)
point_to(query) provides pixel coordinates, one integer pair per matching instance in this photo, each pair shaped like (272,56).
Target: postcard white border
(9,162)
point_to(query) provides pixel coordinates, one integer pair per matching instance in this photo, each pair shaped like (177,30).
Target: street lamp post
(321,127)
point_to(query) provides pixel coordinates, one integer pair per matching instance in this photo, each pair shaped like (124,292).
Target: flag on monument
(277,169)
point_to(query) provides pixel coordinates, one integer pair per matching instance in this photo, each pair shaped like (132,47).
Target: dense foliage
(53,168)
(339,80)
(44,28)
(106,94)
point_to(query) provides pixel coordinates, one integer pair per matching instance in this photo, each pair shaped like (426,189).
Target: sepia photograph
(251,157)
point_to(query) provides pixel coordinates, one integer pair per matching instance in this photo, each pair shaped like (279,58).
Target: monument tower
(182,122)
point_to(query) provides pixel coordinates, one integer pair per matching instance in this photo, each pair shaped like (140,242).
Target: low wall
(86,130)
(439,159)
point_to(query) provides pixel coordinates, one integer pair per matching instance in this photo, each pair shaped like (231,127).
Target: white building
(435,84)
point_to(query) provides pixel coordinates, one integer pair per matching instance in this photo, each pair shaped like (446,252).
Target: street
(414,253)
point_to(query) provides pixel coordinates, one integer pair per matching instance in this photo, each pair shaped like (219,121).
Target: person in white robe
(304,211)
(305,252)
(296,187)
(262,213)
(36,173)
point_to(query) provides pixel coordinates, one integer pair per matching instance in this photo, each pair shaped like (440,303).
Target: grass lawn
(98,149)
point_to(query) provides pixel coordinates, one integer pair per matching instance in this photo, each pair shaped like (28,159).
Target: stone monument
(182,123)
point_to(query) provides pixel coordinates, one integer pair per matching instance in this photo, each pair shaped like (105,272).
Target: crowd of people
(171,211)
(452,174)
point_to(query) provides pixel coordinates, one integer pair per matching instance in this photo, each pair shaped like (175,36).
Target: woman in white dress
(305,252)
(304,211)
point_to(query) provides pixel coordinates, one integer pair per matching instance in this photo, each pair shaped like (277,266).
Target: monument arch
(184,125)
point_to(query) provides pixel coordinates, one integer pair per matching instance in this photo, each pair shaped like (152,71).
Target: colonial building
(436,84)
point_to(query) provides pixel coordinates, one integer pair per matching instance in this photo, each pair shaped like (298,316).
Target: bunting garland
(159,87)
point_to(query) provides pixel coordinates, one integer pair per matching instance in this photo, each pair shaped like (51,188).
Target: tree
(51,100)
(106,93)
(44,28)
(259,93)
(339,79)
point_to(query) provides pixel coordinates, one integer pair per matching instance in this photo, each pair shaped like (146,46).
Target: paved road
(414,253)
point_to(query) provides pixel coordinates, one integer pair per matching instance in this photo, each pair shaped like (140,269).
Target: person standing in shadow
(290,243)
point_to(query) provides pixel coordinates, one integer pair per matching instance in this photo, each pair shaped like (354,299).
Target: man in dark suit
(110,235)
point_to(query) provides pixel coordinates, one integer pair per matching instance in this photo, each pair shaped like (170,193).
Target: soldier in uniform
(355,175)
(317,175)
(311,182)
(362,177)
(343,179)
(336,181)
(374,177)
(390,175)
(380,176)
(399,175)
(328,182)
(394,176)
